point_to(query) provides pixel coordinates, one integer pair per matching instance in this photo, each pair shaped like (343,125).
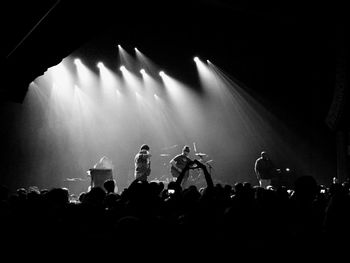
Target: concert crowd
(149,217)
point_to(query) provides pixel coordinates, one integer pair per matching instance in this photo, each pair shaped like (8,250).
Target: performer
(179,162)
(264,170)
(143,163)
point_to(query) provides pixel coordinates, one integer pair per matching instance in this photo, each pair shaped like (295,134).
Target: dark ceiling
(279,50)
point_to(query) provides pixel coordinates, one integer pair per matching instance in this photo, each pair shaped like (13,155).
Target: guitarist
(178,163)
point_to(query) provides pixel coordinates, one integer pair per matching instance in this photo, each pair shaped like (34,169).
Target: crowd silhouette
(154,217)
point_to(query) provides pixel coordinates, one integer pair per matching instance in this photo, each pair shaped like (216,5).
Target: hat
(145,147)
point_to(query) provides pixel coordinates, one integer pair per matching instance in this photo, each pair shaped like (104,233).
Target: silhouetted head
(109,185)
(81,196)
(306,188)
(96,195)
(58,196)
(172,185)
(238,187)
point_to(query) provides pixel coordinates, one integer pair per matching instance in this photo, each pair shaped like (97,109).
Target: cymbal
(201,154)
(164,154)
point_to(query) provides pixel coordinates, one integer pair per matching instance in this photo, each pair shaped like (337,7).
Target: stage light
(136,49)
(119,46)
(161,73)
(77,61)
(142,71)
(287,170)
(208,61)
(196,59)
(122,68)
(99,64)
